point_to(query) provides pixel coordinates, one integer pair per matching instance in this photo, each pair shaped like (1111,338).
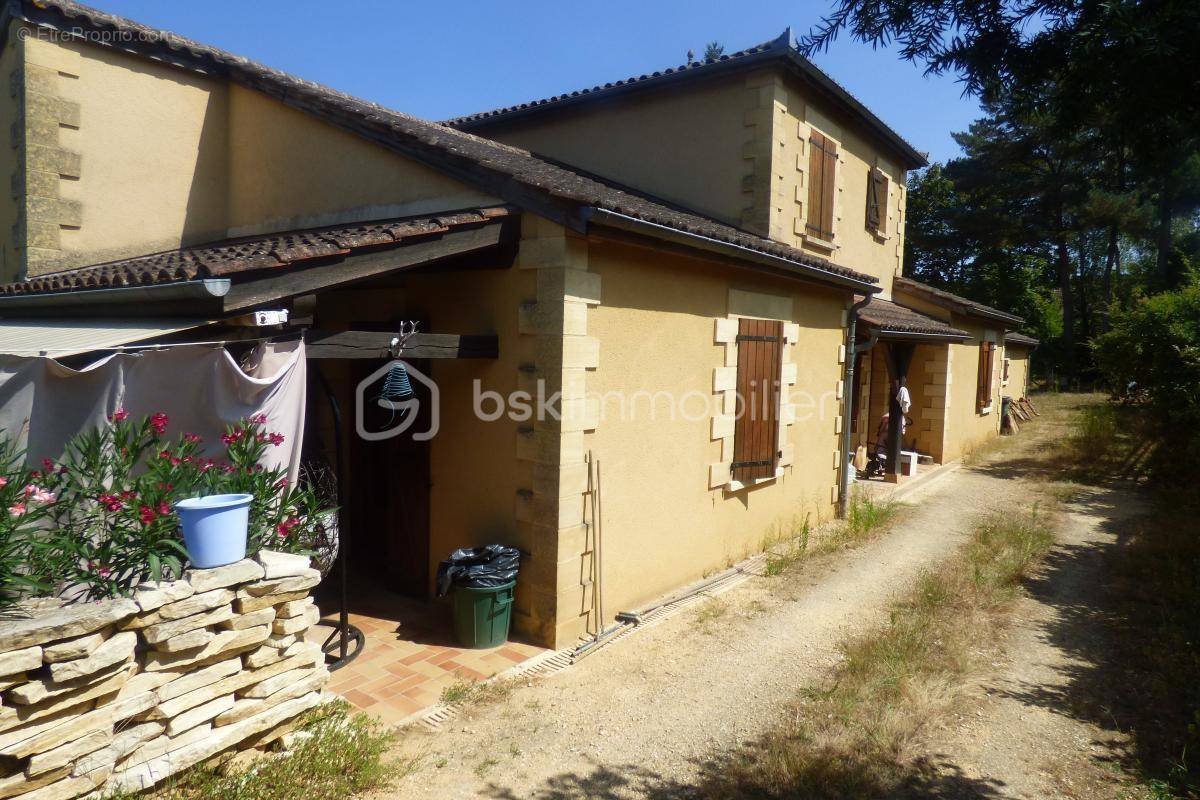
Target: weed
(711,611)
(472,692)
(514,750)
(358,741)
(1093,434)
(865,514)
(483,767)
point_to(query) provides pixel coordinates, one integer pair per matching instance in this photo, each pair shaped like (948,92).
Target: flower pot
(215,528)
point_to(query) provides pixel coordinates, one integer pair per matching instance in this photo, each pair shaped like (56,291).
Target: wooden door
(390,495)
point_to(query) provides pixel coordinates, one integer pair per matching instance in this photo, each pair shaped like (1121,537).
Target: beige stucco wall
(663,524)
(734,147)
(683,144)
(10,162)
(855,246)
(168,158)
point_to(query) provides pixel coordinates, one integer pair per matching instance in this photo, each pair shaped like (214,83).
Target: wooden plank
(295,282)
(376,345)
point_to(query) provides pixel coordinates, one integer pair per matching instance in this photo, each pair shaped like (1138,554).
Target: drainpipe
(848,406)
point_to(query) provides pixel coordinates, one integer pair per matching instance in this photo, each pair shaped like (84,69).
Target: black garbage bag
(478,568)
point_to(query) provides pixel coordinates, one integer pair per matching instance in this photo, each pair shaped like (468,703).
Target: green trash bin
(482,616)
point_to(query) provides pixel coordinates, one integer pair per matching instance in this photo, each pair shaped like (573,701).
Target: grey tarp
(43,403)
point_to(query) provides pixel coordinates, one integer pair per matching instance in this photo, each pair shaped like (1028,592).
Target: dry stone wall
(119,694)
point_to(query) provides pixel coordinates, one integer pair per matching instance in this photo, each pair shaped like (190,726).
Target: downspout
(848,406)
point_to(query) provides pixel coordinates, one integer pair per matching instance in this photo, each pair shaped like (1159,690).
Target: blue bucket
(215,528)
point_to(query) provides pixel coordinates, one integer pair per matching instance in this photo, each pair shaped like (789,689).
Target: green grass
(866,517)
(851,736)
(345,756)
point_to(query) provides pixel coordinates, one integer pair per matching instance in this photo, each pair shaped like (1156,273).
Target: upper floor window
(877,202)
(822,165)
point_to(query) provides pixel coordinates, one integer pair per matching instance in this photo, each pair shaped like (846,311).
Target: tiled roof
(516,175)
(956,303)
(781,49)
(249,254)
(1014,337)
(889,317)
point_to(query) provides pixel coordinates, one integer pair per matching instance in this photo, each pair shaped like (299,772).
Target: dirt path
(1029,732)
(640,718)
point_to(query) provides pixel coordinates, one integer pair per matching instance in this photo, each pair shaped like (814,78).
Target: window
(877,202)
(756,430)
(983,394)
(822,164)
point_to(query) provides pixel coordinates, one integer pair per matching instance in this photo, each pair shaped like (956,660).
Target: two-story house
(674,260)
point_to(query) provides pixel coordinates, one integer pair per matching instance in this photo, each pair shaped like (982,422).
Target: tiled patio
(410,655)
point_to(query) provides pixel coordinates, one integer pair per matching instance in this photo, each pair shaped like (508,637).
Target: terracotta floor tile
(360,699)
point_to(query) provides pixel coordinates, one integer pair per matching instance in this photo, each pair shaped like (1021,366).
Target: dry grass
(852,736)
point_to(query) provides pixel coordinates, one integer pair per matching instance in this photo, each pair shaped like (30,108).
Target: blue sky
(439,60)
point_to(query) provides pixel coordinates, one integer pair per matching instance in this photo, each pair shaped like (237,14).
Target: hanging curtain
(43,403)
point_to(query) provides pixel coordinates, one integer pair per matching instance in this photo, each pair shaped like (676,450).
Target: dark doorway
(389,495)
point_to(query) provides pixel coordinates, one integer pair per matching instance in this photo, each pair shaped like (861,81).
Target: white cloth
(199,387)
(903,399)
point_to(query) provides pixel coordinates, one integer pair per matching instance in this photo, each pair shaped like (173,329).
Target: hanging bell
(396,387)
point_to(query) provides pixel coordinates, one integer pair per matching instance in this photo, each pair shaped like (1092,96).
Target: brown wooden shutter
(756,431)
(983,392)
(822,165)
(877,198)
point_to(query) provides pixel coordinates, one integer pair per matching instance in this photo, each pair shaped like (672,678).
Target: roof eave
(784,266)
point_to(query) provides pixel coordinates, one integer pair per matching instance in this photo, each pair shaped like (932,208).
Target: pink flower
(276,439)
(284,528)
(192,438)
(258,419)
(17,509)
(100,569)
(159,422)
(39,495)
(3,482)
(48,465)
(163,508)
(120,415)
(165,454)
(146,515)
(110,502)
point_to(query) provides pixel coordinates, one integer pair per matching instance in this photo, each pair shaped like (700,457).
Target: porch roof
(550,189)
(1018,338)
(897,322)
(232,276)
(954,302)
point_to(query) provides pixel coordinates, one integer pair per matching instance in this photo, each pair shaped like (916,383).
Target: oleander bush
(101,519)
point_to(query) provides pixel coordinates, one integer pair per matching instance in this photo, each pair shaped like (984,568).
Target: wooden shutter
(822,166)
(756,432)
(983,392)
(877,201)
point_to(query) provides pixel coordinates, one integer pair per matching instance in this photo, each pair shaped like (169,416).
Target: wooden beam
(350,269)
(376,345)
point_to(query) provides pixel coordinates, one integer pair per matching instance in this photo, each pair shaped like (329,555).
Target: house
(651,258)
